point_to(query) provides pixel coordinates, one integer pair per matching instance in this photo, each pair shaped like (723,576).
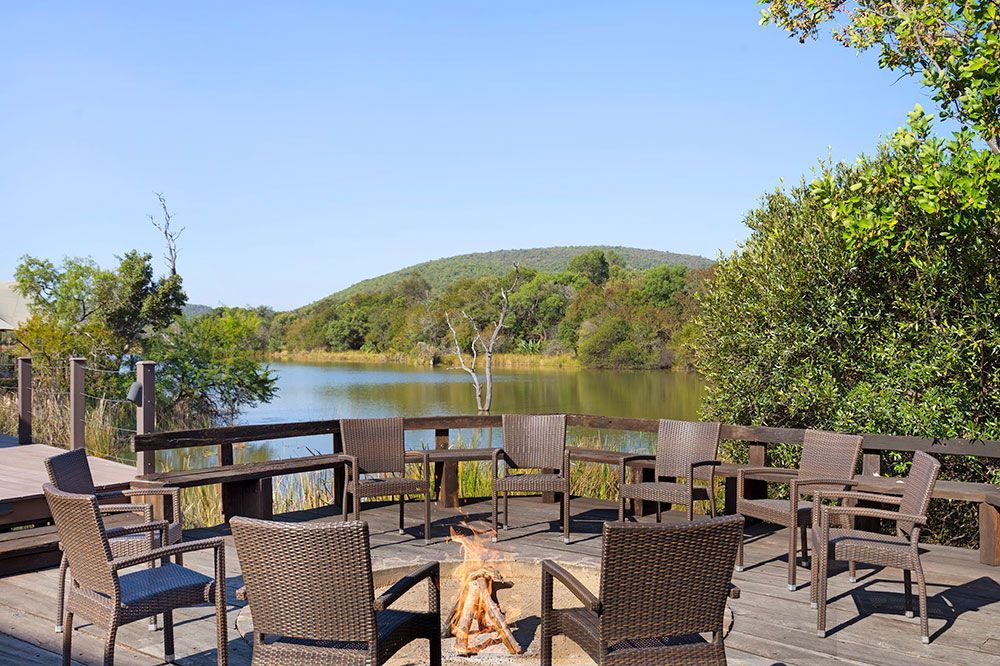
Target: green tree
(593,265)
(208,365)
(891,328)
(78,308)
(954,45)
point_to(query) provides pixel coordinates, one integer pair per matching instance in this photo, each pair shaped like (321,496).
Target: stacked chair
(108,596)
(684,451)
(828,462)
(70,472)
(313,601)
(662,587)
(901,550)
(377,447)
(532,442)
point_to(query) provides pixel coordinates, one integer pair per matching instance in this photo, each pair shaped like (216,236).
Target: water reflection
(325,391)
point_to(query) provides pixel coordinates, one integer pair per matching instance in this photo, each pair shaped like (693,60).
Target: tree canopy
(892,327)
(955,46)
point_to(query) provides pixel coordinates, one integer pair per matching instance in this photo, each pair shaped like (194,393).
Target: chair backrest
(829,455)
(307,580)
(919,487)
(70,472)
(84,541)
(666,580)
(680,443)
(378,444)
(534,441)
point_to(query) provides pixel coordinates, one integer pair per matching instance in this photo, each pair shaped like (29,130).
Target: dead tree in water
(484,389)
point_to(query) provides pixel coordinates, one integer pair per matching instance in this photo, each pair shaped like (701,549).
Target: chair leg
(435,649)
(813,579)
(546,646)
(925,636)
(711,502)
(67,632)
(61,599)
(427,516)
(621,509)
(824,563)
(739,553)
(402,512)
(356,496)
(852,572)
(506,509)
(344,504)
(109,646)
(168,637)
(567,518)
(496,524)
(221,628)
(804,538)
(792,554)
(907,593)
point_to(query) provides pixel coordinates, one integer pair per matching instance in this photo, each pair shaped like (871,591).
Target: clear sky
(307,146)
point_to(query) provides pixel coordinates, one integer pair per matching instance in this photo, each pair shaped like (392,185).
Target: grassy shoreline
(560,361)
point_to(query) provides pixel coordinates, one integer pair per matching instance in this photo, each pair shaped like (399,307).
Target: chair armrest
(497,454)
(635,457)
(430,570)
(166,551)
(743,471)
(828,482)
(173,493)
(706,463)
(567,464)
(734,592)
(151,526)
(112,509)
(859,496)
(550,568)
(866,512)
(352,463)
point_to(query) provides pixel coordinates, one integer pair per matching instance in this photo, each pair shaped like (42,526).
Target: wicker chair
(827,463)
(901,550)
(313,601)
(376,446)
(661,587)
(108,598)
(70,472)
(684,450)
(535,443)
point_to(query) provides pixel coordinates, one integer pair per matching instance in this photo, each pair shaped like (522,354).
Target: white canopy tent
(13,307)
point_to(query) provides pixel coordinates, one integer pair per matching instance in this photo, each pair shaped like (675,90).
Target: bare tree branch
(169,235)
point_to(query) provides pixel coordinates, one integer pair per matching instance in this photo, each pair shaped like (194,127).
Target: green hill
(442,272)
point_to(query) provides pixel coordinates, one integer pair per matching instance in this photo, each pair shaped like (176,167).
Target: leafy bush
(869,301)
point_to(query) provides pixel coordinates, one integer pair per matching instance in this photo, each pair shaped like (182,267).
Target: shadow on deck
(772,625)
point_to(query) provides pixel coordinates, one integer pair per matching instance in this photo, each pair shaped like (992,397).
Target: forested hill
(440,273)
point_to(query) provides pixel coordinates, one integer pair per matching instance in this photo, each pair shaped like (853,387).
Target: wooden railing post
(24,400)
(77,403)
(145,414)
(445,473)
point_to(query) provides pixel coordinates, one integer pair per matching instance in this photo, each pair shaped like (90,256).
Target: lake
(312,391)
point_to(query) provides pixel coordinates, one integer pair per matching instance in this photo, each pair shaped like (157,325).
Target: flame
(479,574)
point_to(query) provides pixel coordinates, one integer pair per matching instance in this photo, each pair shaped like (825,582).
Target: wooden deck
(772,625)
(22,473)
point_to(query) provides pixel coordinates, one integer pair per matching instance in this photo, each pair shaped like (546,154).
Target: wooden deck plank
(772,625)
(22,471)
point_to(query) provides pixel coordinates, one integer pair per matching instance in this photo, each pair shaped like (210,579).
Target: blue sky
(311,145)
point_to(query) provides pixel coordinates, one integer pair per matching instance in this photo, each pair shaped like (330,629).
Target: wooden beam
(145,414)
(989,531)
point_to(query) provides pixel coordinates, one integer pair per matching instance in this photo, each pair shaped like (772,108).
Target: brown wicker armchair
(377,446)
(70,472)
(827,463)
(684,450)
(901,551)
(313,601)
(662,586)
(108,598)
(536,443)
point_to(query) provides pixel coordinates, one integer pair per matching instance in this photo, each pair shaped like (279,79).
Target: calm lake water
(313,391)
(326,391)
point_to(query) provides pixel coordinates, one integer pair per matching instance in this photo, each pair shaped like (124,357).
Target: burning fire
(477,611)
